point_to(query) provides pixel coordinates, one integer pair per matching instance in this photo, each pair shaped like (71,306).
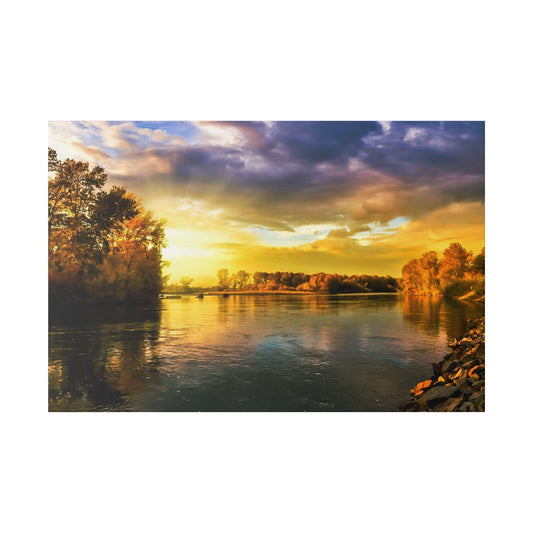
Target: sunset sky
(338,197)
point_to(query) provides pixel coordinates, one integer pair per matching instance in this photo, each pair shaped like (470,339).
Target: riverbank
(467,290)
(472,296)
(265,293)
(458,381)
(319,293)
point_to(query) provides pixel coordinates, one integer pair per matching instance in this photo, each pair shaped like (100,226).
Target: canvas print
(266,266)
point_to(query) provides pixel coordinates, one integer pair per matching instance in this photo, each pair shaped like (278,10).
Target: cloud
(349,178)
(300,172)
(342,233)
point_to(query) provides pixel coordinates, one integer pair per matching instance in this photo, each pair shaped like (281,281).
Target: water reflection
(99,357)
(250,353)
(435,315)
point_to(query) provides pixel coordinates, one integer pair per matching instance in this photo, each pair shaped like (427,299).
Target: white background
(129,472)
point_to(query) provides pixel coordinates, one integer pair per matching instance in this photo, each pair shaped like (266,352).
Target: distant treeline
(103,246)
(297,281)
(455,274)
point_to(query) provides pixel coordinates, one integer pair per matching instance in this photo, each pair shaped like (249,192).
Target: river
(274,352)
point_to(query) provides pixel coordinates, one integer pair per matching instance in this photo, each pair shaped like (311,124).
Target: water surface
(250,352)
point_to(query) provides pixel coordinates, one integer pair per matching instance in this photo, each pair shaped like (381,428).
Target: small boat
(201,295)
(225,296)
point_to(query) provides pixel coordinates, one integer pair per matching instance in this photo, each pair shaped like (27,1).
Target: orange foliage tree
(428,275)
(102,245)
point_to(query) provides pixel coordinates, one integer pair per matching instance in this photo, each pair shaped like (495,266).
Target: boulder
(438,394)
(477,370)
(420,387)
(467,407)
(476,395)
(449,405)
(409,406)
(480,385)
(458,382)
(448,365)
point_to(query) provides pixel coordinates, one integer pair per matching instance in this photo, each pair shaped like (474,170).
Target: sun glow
(176,252)
(351,198)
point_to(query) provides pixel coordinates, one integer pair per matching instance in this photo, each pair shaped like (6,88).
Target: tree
(260,279)
(185,283)
(80,213)
(103,245)
(411,277)
(52,160)
(478,265)
(455,264)
(428,266)
(241,279)
(223,279)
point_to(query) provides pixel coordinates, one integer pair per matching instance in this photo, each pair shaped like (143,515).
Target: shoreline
(265,293)
(465,298)
(458,381)
(315,293)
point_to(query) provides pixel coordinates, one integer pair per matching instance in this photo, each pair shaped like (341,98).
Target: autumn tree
(428,266)
(298,281)
(478,264)
(185,283)
(103,244)
(260,279)
(411,276)
(454,272)
(52,160)
(134,261)
(455,264)
(223,279)
(241,279)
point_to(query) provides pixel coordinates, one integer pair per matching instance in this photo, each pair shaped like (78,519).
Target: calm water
(250,353)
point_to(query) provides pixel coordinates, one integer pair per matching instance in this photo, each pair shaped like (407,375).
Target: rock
(448,365)
(449,405)
(467,407)
(461,382)
(476,371)
(454,403)
(477,395)
(480,384)
(420,387)
(458,374)
(438,394)
(409,406)
(459,378)
(470,362)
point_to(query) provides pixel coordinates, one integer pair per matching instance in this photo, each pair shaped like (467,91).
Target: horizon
(334,197)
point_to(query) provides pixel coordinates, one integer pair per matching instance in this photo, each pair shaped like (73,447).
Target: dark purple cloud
(289,173)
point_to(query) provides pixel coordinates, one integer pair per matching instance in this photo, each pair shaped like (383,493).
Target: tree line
(456,272)
(298,281)
(103,245)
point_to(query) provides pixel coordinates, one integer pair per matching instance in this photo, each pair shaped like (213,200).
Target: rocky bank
(458,381)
